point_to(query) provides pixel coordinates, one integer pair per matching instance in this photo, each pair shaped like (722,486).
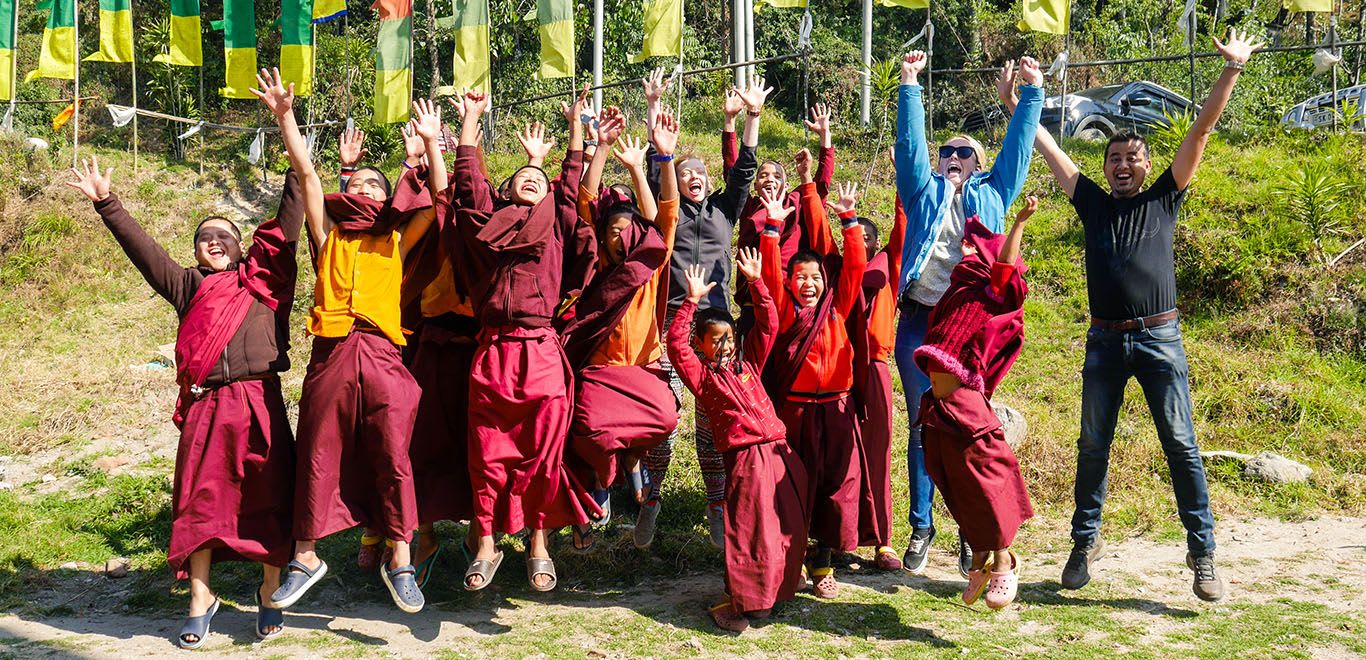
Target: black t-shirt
(1130,270)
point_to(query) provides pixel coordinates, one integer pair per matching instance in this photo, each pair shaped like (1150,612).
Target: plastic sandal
(485,569)
(402,585)
(424,568)
(268,617)
(541,566)
(298,580)
(370,555)
(726,618)
(197,626)
(640,483)
(603,498)
(977,583)
(1003,585)
(886,559)
(824,584)
(582,534)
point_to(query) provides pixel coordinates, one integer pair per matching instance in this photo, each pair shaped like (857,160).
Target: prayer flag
(63,117)
(296,45)
(663,29)
(471,70)
(780,4)
(909,4)
(1322,6)
(185,48)
(116,32)
(326,10)
(393,61)
(239,49)
(57,59)
(7,39)
(1050,16)
(556,19)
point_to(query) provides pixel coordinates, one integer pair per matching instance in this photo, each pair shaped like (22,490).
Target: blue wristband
(662,158)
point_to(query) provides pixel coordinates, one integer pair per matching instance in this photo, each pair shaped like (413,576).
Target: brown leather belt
(1135,324)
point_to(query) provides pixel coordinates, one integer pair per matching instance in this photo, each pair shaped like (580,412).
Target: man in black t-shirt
(1131,287)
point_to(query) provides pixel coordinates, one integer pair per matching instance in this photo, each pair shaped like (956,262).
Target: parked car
(1099,112)
(1318,111)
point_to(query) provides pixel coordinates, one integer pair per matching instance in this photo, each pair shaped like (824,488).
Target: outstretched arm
(1064,171)
(1236,53)
(855,248)
(770,249)
(426,124)
(610,127)
(630,152)
(819,123)
(912,151)
(280,100)
(815,226)
(1008,173)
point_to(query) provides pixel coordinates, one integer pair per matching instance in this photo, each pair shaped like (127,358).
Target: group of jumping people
(507,353)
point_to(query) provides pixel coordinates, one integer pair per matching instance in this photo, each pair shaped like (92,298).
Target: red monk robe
(522,261)
(879,293)
(623,403)
(766,483)
(975,333)
(358,404)
(815,373)
(234,467)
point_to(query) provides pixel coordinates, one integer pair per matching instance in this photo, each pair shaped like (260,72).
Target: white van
(1319,110)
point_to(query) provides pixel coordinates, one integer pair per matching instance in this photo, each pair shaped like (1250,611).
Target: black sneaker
(918,552)
(1077,573)
(1207,585)
(964,556)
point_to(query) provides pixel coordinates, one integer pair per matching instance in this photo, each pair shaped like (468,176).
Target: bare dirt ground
(1317,561)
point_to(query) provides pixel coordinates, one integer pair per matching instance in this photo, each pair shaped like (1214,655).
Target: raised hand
(911,65)
(748,263)
(414,147)
(610,126)
(773,202)
(90,181)
(426,119)
(1005,85)
(1031,205)
(665,133)
(473,104)
(534,142)
(1030,72)
(574,112)
(818,120)
(803,162)
(631,152)
(656,85)
(698,286)
(734,104)
(1239,48)
(847,195)
(272,91)
(756,94)
(351,149)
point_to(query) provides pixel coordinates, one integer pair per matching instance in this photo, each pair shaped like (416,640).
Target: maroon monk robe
(766,482)
(235,461)
(976,333)
(521,399)
(875,425)
(358,404)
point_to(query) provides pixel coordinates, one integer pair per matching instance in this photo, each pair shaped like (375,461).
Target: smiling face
(807,282)
(368,183)
(693,181)
(870,239)
(1126,166)
(612,240)
(771,179)
(216,246)
(529,186)
(716,342)
(958,166)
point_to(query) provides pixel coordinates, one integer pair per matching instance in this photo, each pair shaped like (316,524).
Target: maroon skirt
(440,443)
(234,476)
(355,421)
(766,504)
(975,470)
(875,505)
(826,437)
(620,410)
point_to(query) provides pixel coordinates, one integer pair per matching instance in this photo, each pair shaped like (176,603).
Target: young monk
(706,222)
(975,334)
(814,372)
(523,258)
(879,295)
(235,464)
(623,406)
(358,403)
(766,488)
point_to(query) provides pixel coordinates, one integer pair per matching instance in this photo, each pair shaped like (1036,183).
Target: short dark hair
(804,256)
(1125,137)
(231,225)
(711,317)
(870,227)
(619,209)
(384,180)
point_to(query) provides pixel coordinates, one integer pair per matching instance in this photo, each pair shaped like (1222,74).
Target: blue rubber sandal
(640,483)
(603,498)
(297,581)
(402,585)
(268,617)
(424,568)
(197,626)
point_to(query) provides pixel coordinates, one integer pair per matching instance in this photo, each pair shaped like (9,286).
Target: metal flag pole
(201,113)
(1062,107)
(678,111)
(135,95)
(737,40)
(14,61)
(749,40)
(866,80)
(76,97)
(597,55)
(1190,54)
(929,74)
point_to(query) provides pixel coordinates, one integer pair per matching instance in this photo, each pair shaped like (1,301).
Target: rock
(1013,421)
(47,478)
(37,144)
(69,566)
(108,464)
(694,643)
(116,567)
(5,485)
(1276,469)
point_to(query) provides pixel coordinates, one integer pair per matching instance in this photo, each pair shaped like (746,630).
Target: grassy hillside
(1275,343)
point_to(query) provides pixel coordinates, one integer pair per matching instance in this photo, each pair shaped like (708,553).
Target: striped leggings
(712,465)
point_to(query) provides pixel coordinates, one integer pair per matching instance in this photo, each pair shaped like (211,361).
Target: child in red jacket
(766,488)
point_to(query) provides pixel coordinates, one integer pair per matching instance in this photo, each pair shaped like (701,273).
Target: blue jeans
(910,334)
(1157,358)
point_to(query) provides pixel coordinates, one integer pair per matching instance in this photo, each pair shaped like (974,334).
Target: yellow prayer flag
(663,29)
(1050,16)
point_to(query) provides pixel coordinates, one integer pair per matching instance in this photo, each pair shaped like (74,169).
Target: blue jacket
(925,195)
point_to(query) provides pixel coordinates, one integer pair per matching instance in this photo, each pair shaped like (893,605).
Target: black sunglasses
(963,152)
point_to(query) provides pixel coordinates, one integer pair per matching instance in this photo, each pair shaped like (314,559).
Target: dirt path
(1317,561)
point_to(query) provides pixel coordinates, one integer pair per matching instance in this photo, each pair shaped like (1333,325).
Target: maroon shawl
(1003,336)
(792,344)
(359,213)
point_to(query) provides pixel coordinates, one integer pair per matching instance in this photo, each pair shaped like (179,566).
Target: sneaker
(1077,573)
(918,552)
(886,560)
(1207,585)
(716,520)
(964,555)
(1002,585)
(644,533)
